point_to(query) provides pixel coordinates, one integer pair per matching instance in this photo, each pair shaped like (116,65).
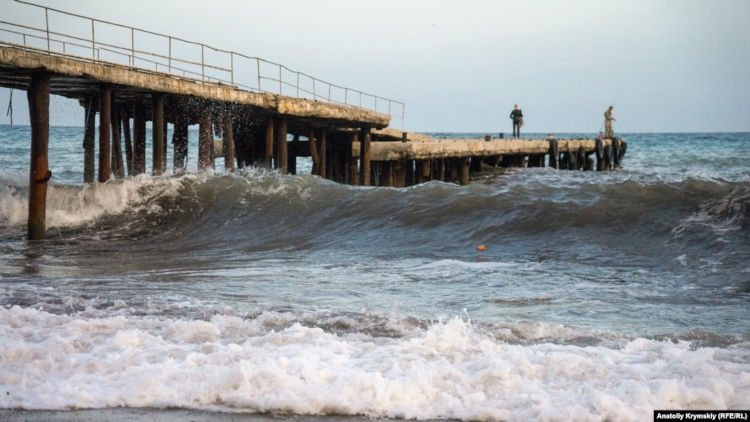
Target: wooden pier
(347,141)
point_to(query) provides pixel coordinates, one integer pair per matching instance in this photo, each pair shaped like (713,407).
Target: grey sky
(679,65)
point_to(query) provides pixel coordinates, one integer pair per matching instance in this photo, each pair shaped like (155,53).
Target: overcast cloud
(678,65)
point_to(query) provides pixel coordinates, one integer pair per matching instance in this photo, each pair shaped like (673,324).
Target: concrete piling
(105,121)
(364,157)
(180,144)
(269,142)
(39,173)
(125,118)
(118,166)
(282,154)
(205,140)
(139,137)
(228,142)
(89,145)
(159,140)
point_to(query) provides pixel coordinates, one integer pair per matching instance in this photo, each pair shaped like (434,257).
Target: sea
(207,295)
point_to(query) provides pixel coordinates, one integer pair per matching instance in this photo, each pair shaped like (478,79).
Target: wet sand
(167,415)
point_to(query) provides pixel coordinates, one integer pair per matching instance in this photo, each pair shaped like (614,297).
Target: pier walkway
(264,113)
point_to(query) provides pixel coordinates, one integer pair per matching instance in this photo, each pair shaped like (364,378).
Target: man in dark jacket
(517,116)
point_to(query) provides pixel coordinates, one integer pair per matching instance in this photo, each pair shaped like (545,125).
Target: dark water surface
(601,295)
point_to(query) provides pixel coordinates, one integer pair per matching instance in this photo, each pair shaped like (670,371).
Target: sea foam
(447,370)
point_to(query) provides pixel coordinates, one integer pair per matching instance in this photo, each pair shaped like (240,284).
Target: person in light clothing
(608,119)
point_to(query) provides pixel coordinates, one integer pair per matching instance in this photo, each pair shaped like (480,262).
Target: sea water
(600,295)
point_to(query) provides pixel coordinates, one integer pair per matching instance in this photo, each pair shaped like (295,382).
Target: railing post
(46,18)
(231,67)
(403,116)
(329,93)
(169,59)
(203,68)
(257,62)
(93,42)
(314,96)
(298,85)
(132,46)
(360,98)
(280,86)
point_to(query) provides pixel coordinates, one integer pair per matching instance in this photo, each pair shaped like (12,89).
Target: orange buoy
(481,247)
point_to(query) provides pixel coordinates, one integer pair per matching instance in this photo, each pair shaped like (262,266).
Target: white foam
(70,205)
(75,205)
(446,371)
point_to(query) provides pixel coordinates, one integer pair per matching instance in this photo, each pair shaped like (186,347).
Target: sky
(460,66)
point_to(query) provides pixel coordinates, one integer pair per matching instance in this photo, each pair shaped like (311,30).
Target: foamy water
(448,370)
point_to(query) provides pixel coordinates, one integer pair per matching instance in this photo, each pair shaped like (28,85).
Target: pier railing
(67,34)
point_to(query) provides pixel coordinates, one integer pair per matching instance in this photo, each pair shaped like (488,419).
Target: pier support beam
(423,171)
(118,166)
(463,170)
(39,174)
(314,153)
(322,152)
(180,143)
(292,162)
(158,126)
(105,121)
(228,142)
(125,118)
(364,157)
(205,140)
(353,168)
(282,160)
(139,137)
(269,142)
(89,160)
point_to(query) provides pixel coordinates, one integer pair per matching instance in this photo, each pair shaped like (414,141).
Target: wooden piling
(282,164)
(364,157)
(139,137)
(228,142)
(125,118)
(105,121)
(88,141)
(159,140)
(118,166)
(269,142)
(39,173)
(205,140)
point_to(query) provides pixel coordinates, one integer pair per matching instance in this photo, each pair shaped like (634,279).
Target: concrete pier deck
(78,78)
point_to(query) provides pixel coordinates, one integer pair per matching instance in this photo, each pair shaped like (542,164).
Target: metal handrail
(320,91)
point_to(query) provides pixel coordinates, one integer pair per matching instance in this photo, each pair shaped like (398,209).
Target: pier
(261,114)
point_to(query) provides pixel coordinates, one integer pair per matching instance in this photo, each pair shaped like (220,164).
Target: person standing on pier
(517,116)
(608,119)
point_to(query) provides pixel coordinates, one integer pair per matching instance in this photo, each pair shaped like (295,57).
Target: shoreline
(128,414)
